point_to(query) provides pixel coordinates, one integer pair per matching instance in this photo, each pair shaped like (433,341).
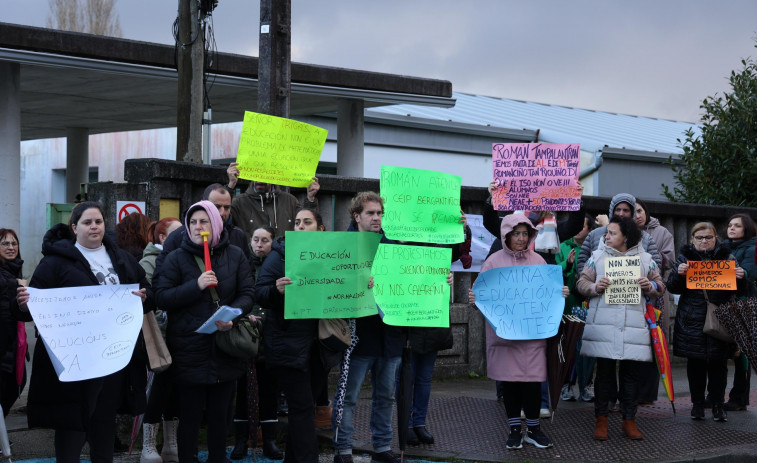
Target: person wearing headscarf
(204,375)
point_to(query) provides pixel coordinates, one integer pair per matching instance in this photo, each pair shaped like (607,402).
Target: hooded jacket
(70,405)
(663,239)
(196,358)
(507,360)
(276,209)
(616,331)
(591,243)
(689,340)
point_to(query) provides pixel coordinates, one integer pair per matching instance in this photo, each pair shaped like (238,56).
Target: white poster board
(124,208)
(480,244)
(88,331)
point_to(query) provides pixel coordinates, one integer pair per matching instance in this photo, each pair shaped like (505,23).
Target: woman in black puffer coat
(81,254)
(707,356)
(204,375)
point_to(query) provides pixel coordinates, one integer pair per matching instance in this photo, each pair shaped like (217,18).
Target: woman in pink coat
(520,365)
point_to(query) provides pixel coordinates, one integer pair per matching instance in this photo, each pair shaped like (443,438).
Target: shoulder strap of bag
(213,292)
(706,298)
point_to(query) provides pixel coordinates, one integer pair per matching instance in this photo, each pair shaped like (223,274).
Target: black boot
(241,433)
(270,450)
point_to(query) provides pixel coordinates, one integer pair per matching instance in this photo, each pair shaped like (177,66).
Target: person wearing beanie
(204,375)
(621,205)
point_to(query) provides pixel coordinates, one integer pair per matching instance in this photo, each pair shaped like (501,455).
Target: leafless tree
(92,16)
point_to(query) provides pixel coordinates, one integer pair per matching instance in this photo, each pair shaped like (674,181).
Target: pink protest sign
(536,176)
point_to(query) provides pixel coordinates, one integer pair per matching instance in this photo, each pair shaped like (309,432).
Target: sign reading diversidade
(711,274)
(88,331)
(278,150)
(421,205)
(410,284)
(624,273)
(330,272)
(521,302)
(536,176)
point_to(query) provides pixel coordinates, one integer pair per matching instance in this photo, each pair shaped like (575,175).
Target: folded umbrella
(561,349)
(341,385)
(661,353)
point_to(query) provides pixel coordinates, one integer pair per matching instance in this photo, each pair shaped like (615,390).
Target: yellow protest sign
(624,273)
(711,274)
(278,150)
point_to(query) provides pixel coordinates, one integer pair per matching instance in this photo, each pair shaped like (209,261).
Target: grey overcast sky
(654,58)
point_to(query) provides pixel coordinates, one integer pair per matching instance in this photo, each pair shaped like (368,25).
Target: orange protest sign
(711,274)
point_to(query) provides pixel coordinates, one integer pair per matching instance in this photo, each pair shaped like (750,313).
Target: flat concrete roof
(107,84)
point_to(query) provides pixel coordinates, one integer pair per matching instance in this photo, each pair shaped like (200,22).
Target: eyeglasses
(704,238)
(9,244)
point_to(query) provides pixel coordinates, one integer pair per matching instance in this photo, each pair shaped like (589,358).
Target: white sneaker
(588,394)
(545,413)
(566,394)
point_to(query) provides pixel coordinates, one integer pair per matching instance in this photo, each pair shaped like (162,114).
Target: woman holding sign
(707,357)
(291,350)
(521,366)
(12,331)
(204,375)
(81,254)
(615,325)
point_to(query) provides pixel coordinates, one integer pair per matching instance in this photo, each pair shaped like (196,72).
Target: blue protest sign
(521,302)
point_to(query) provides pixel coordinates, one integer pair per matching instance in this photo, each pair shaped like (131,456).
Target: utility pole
(190,49)
(275,60)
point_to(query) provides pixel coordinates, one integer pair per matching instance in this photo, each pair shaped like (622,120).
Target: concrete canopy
(108,84)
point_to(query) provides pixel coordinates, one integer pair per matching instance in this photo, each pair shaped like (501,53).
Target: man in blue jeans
(378,350)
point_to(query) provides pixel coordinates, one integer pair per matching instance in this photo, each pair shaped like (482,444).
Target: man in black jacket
(378,350)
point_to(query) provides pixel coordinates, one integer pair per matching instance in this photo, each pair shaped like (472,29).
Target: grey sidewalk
(469,424)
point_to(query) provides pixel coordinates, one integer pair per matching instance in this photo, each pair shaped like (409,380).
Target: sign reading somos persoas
(280,151)
(421,205)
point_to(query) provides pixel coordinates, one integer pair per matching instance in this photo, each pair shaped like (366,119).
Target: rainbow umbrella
(660,347)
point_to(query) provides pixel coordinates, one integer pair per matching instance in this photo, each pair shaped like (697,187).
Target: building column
(77,161)
(10,145)
(350,138)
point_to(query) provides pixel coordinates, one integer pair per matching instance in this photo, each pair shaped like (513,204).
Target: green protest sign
(277,150)
(330,272)
(421,205)
(410,284)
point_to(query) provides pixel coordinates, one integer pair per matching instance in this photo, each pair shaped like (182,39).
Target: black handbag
(243,339)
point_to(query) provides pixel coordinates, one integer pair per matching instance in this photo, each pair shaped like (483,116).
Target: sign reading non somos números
(88,331)
(330,273)
(421,205)
(711,274)
(536,176)
(624,273)
(278,150)
(521,302)
(410,284)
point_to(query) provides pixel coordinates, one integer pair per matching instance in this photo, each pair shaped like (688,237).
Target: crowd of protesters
(245,235)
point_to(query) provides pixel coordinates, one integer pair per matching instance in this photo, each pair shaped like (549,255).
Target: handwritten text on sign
(330,272)
(88,331)
(277,150)
(711,274)
(624,273)
(522,302)
(410,284)
(421,205)
(536,176)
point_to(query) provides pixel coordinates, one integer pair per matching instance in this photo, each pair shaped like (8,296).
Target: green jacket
(569,273)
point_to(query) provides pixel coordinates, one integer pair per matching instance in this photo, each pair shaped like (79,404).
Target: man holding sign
(378,350)
(612,280)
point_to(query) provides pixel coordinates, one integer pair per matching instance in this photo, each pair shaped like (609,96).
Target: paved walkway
(470,425)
